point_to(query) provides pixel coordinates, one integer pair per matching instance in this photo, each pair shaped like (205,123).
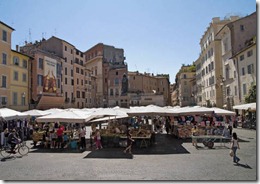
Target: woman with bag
(234,147)
(129,143)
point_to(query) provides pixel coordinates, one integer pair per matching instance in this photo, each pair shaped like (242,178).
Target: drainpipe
(238,76)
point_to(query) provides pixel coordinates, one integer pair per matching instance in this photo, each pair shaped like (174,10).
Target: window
(227,73)
(78,94)
(242,57)
(212,65)
(14,98)
(184,76)
(4,100)
(77,70)
(116,81)
(23,99)
(228,91)
(15,61)
(39,80)
(40,64)
(235,74)
(242,28)
(249,53)
(116,73)
(111,92)
(77,81)
(71,73)
(235,90)
(244,89)
(4,59)
(250,69)
(83,94)
(66,81)
(24,77)
(243,71)
(65,48)
(16,75)
(3,81)
(66,72)
(24,63)
(72,82)
(4,35)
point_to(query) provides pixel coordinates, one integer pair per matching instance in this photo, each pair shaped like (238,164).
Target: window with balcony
(15,61)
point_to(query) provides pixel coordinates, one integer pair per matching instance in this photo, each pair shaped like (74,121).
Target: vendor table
(145,141)
(208,140)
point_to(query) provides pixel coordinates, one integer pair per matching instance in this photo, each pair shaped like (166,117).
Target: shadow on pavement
(164,144)
(243,165)
(55,150)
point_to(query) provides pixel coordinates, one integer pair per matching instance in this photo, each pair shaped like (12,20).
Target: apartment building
(108,70)
(73,75)
(19,81)
(14,73)
(183,94)
(238,38)
(209,75)
(5,62)
(145,89)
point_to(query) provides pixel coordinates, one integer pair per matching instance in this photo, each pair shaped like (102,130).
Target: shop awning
(47,102)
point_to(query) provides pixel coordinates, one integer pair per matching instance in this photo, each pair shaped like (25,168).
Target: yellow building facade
(19,81)
(5,60)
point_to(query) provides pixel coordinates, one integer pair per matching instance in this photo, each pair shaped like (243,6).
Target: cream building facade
(209,66)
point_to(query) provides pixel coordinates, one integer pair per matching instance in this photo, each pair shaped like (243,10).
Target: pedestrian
(59,137)
(98,140)
(82,138)
(129,143)
(234,147)
(194,133)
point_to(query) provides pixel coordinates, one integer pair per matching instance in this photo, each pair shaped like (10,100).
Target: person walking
(82,138)
(234,147)
(129,143)
(98,140)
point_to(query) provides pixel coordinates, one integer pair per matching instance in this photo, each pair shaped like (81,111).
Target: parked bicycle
(21,148)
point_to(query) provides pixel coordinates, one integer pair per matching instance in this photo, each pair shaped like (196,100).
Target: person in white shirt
(82,138)
(234,147)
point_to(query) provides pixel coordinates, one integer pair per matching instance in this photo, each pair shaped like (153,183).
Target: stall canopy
(10,114)
(197,110)
(36,113)
(68,116)
(53,110)
(151,110)
(220,111)
(249,106)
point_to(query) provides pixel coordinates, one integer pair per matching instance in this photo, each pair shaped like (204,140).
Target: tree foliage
(251,97)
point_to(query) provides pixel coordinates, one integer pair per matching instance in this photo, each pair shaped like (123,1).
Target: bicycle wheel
(23,150)
(5,152)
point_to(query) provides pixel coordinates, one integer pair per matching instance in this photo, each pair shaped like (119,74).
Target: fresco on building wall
(49,79)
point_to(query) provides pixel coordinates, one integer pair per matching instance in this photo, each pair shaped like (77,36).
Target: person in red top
(59,136)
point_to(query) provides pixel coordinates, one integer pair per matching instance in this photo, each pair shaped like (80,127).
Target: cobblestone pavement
(169,159)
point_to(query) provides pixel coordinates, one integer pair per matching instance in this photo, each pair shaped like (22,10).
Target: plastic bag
(231,153)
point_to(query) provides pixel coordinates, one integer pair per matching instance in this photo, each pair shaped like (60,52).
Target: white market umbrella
(193,110)
(36,112)
(53,110)
(220,111)
(150,110)
(68,116)
(249,106)
(10,114)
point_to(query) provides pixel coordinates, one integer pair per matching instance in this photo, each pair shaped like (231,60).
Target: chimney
(215,19)
(17,48)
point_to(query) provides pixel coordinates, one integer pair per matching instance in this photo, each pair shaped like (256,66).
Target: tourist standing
(234,147)
(83,138)
(98,140)
(129,143)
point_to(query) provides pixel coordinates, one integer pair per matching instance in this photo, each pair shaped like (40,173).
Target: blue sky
(157,36)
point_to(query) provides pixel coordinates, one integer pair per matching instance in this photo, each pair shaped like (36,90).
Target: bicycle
(21,148)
